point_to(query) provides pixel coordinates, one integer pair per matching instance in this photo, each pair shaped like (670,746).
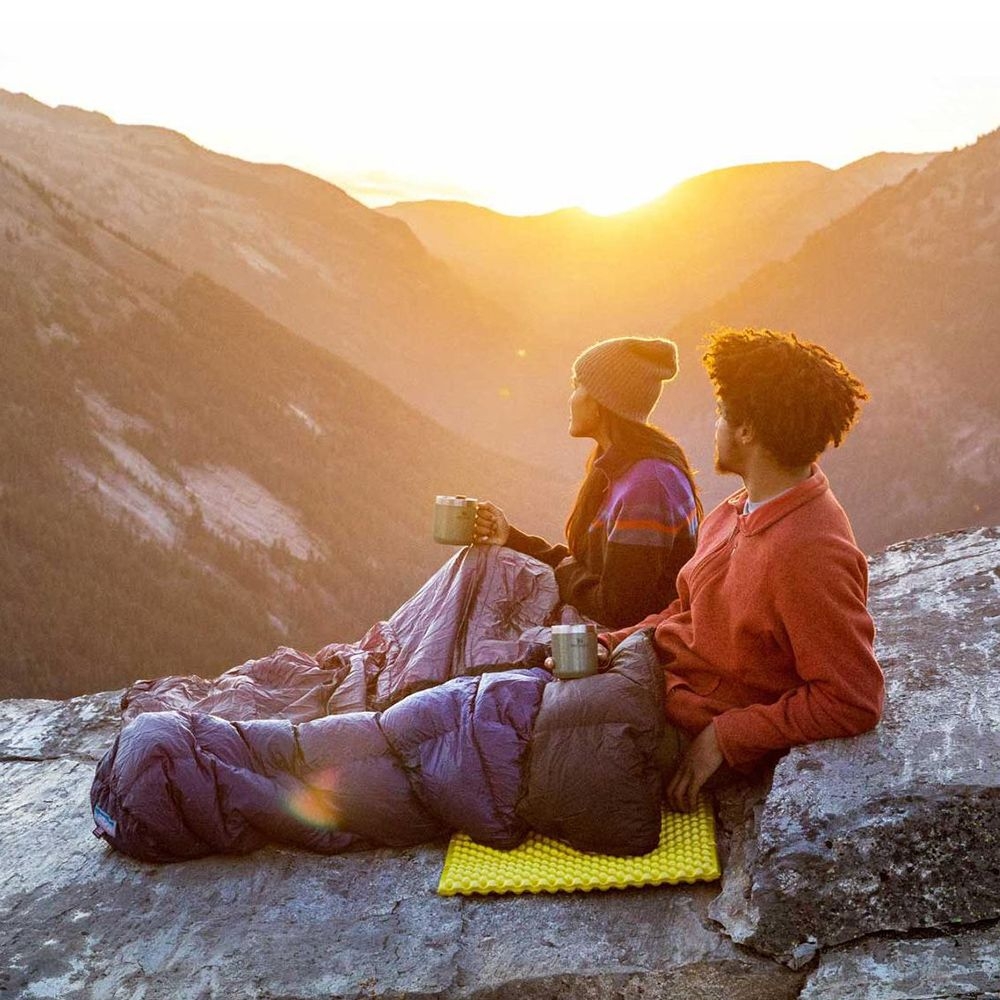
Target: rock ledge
(870,869)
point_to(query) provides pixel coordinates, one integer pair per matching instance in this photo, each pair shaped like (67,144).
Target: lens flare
(312,802)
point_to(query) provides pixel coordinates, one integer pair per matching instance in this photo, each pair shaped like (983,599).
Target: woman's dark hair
(631,442)
(796,396)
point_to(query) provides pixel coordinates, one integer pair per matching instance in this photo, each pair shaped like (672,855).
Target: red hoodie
(770,637)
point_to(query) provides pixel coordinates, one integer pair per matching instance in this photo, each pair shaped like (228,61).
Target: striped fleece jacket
(644,529)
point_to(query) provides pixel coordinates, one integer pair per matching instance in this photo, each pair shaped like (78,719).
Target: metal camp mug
(454,520)
(574,650)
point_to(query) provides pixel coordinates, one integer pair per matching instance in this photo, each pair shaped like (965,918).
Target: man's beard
(722,468)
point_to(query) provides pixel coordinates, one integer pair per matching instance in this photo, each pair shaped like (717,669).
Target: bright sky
(521,106)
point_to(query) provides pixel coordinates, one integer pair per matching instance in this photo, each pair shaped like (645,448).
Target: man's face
(728,451)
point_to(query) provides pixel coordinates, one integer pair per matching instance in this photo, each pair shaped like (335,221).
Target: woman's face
(584,414)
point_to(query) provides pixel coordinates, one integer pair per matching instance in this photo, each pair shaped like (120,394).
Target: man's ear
(745,434)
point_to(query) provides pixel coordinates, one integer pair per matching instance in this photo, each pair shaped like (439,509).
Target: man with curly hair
(769,642)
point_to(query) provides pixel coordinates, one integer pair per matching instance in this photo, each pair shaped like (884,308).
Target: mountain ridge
(636,259)
(903,290)
(300,249)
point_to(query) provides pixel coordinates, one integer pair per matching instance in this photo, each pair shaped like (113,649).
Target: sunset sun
(612,199)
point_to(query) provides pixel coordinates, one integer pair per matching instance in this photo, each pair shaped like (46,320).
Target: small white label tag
(104,822)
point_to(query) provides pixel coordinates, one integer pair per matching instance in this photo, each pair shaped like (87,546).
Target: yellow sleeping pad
(686,853)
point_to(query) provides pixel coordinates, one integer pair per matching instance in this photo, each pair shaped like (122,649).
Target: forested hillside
(185,484)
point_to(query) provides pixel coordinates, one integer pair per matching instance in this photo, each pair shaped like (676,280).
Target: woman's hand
(491,527)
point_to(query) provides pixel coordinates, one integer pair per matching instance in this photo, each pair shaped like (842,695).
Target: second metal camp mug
(574,650)
(454,520)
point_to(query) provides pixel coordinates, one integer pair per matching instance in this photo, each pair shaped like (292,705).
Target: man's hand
(702,759)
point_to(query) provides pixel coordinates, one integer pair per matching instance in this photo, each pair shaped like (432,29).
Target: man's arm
(612,639)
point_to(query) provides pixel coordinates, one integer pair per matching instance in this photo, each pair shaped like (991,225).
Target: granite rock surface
(868,869)
(963,964)
(899,828)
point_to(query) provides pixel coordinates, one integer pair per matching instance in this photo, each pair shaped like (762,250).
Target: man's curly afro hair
(797,396)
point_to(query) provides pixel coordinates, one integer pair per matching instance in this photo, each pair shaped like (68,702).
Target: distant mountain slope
(906,288)
(490,362)
(298,248)
(185,484)
(578,276)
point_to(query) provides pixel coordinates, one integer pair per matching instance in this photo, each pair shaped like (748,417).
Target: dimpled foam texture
(686,853)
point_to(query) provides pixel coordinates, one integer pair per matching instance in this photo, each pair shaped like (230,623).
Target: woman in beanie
(635,520)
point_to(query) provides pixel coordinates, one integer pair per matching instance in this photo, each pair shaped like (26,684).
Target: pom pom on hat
(626,374)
